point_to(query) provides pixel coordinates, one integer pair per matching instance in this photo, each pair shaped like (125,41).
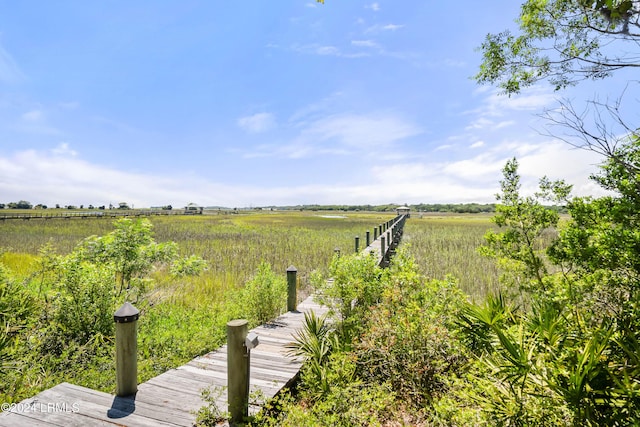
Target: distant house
(193,208)
(403,210)
(123,205)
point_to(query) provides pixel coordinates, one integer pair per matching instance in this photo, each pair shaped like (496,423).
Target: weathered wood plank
(173,398)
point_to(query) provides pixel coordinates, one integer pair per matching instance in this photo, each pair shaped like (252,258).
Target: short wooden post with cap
(292,291)
(126,319)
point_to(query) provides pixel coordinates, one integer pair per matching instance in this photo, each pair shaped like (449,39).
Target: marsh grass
(447,245)
(186,316)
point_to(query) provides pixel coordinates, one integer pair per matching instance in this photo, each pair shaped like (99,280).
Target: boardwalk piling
(357,244)
(237,370)
(383,249)
(126,319)
(292,293)
(368,238)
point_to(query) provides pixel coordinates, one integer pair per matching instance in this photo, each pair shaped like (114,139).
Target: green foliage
(353,404)
(263,298)
(519,247)
(16,307)
(189,266)
(408,343)
(210,415)
(402,359)
(130,249)
(82,308)
(315,343)
(563,41)
(182,316)
(356,284)
(569,357)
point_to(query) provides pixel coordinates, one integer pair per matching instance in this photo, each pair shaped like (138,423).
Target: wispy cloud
(364,43)
(381,28)
(363,131)
(327,50)
(497,105)
(64,149)
(485,123)
(373,6)
(33,116)
(9,70)
(35,122)
(61,176)
(257,123)
(320,133)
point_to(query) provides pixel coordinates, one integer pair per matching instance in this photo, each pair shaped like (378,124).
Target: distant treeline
(422,207)
(438,207)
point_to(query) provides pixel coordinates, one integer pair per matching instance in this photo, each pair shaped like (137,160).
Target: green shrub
(82,308)
(16,309)
(263,298)
(356,284)
(408,342)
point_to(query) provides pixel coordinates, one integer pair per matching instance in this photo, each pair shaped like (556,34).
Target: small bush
(263,298)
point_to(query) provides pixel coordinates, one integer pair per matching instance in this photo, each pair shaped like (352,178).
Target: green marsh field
(185,316)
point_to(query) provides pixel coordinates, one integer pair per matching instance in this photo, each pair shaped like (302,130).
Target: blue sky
(264,103)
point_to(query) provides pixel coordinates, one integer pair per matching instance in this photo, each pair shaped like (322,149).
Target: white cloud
(392,27)
(326,50)
(319,133)
(531,99)
(362,131)
(373,6)
(35,122)
(364,43)
(477,144)
(380,28)
(9,70)
(33,116)
(60,176)
(257,123)
(64,149)
(485,123)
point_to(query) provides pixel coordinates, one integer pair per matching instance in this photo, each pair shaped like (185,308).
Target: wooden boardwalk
(172,398)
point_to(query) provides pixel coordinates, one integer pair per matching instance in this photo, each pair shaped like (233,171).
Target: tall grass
(185,316)
(445,245)
(234,245)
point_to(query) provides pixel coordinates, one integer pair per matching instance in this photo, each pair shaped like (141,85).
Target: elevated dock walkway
(174,397)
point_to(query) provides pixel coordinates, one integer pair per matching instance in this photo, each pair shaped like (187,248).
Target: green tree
(525,222)
(571,355)
(130,249)
(564,41)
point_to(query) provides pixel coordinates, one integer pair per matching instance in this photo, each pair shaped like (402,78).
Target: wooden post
(292,292)
(336,252)
(368,238)
(126,319)
(375,233)
(237,371)
(357,244)
(383,250)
